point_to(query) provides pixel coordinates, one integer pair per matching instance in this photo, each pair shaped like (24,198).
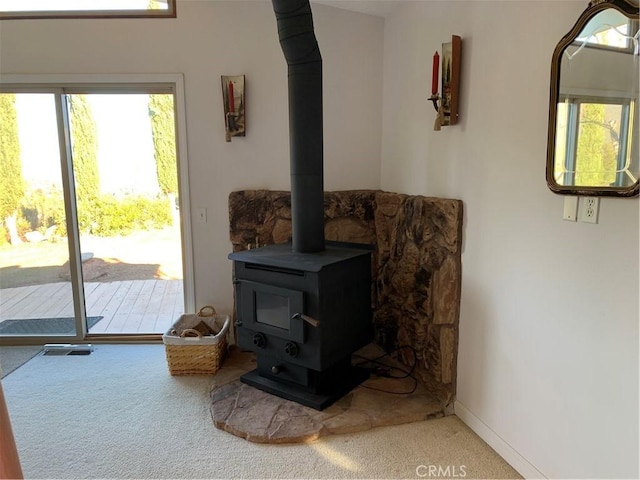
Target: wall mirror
(593,108)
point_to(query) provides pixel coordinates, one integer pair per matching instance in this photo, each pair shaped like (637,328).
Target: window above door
(24,9)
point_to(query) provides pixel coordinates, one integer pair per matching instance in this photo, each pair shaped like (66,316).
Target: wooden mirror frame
(595,6)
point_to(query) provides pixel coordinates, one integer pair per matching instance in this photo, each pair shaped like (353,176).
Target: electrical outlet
(589,210)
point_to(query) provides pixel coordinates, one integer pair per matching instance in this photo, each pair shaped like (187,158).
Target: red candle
(434,79)
(230,95)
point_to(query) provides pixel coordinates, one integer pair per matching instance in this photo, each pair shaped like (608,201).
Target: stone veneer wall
(416,265)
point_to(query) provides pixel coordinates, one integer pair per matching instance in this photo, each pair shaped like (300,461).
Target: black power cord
(385,370)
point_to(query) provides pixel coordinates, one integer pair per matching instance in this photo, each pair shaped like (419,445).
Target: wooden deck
(135,306)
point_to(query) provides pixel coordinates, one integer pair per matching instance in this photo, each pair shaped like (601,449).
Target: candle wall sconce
(234,106)
(447,105)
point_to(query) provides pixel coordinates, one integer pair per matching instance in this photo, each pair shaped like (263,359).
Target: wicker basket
(197,354)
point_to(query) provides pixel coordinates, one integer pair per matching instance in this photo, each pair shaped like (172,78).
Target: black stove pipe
(300,48)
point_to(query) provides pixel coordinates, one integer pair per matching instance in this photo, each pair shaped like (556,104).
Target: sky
(125,144)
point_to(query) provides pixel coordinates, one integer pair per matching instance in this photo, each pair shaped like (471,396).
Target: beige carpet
(117,413)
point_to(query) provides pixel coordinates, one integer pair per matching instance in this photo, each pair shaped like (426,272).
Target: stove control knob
(259,340)
(291,349)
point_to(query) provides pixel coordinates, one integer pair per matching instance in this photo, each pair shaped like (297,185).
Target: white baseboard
(506,451)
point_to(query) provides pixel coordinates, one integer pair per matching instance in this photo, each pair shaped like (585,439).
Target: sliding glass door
(36,295)
(91,239)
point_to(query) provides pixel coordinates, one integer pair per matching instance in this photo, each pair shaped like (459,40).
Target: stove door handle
(310,320)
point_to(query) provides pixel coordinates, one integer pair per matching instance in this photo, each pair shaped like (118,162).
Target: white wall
(548,353)
(213,38)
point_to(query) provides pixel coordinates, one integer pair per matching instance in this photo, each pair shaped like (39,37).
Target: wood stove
(304,315)
(304,307)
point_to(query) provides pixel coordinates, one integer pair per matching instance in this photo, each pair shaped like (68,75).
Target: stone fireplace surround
(416,265)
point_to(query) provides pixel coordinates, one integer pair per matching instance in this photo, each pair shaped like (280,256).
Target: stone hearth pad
(260,417)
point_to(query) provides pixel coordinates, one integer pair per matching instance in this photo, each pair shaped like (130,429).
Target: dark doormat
(12,358)
(43,326)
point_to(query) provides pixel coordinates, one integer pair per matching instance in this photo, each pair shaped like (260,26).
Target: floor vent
(66,349)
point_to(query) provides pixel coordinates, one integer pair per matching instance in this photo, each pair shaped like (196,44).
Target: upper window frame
(170,12)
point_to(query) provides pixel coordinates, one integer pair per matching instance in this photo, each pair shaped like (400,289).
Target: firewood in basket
(205,329)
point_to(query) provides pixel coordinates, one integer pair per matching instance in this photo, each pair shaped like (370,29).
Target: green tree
(84,149)
(595,155)
(12,186)
(84,153)
(164,141)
